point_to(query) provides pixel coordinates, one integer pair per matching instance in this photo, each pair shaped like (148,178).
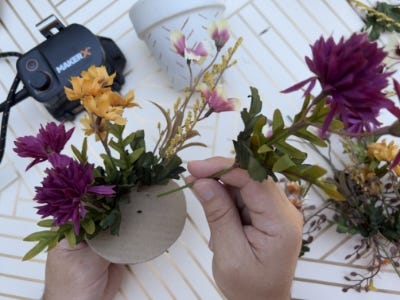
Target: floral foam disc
(150,224)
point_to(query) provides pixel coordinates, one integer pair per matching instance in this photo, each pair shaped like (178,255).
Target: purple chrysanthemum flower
(64,189)
(50,139)
(351,74)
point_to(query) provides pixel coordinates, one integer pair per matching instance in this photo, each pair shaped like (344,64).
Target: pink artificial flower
(196,54)
(178,41)
(219,32)
(217,99)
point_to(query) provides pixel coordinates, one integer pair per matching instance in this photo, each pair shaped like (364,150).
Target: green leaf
(39,247)
(134,156)
(117,146)
(89,226)
(312,172)
(312,138)
(46,223)
(117,130)
(331,190)
(81,155)
(110,219)
(121,163)
(256,170)
(76,153)
(256,104)
(277,121)
(107,162)
(129,139)
(283,163)
(70,237)
(264,149)
(291,151)
(40,235)
(336,125)
(139,141)
(242,153)
(52,243)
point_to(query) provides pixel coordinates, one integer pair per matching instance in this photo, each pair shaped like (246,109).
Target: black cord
(21,95)
(6,114)
(10,101)
(10,53)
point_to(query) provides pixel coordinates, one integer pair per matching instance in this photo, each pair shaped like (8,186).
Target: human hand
(256,232)
(79,273)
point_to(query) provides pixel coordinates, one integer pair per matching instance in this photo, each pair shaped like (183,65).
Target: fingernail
(203,191)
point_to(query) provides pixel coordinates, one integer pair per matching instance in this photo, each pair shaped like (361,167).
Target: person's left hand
(79,273)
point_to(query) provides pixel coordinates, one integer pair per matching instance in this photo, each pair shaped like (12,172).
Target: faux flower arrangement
(81,199)
(363,191)
(368,174)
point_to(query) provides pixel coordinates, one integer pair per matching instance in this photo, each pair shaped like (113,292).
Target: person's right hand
(256,232)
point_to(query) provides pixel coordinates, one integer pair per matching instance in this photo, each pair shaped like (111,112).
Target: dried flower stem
(104,141)
(182,108)
(216,175)
(171,141)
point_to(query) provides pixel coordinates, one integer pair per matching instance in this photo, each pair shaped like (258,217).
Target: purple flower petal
(50,139)
(103,190)
(299,85)
(351,73)
(64,190)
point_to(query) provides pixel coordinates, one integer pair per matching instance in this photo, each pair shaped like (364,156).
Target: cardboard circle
(149,225)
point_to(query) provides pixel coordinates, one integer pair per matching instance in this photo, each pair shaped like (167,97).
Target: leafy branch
(266,155)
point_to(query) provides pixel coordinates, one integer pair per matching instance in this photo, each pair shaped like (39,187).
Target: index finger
(266,202)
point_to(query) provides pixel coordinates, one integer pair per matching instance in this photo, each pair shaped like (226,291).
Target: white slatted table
(271,61)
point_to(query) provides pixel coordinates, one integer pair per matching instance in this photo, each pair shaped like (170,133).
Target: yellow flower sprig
(380,16)
(382,151)
(103,106)
(180,126)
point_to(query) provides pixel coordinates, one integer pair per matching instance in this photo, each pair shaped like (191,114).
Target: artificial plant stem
(216,175)
(315,101)
(182,108)
(301,123)
(327,204)
(391,260)
(190,74)
(377,132)
(104,142)
(193,88)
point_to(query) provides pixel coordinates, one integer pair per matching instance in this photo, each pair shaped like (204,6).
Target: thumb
(115,277)
(222,215)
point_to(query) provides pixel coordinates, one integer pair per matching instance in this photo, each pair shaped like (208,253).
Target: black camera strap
(12,98)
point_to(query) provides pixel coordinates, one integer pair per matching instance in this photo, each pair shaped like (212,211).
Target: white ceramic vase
(153,21)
